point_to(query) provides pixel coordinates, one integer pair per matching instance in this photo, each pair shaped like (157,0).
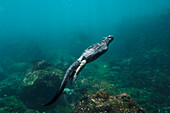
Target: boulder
(101,102)
(40,84)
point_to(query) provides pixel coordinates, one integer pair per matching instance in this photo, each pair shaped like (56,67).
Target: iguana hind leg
(83,63)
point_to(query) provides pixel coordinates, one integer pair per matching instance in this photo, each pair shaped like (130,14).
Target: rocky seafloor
(26,92)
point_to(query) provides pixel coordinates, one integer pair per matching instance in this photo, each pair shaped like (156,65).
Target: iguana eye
(110,37)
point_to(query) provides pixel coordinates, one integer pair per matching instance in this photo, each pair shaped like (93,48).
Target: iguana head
(108,39)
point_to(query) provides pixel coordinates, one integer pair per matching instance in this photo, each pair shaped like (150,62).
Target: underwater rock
(10,85)
(68,91)
(40,85)
(8,89)
(12,105)
(41,65)
(102,102)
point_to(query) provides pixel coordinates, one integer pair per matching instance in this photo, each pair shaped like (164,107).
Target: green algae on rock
(40,84)
(92,103)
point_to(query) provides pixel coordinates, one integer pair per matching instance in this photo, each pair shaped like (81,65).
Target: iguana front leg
(83,63)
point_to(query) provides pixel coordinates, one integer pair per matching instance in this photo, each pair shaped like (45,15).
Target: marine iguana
(89,55)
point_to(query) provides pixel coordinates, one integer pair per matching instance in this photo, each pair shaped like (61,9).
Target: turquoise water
(58,31)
